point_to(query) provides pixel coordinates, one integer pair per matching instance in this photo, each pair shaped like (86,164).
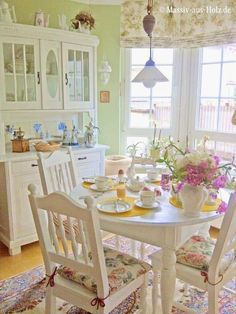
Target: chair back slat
(62,235)
(60,250)
(74,244)
(52,231)
(226,240)
(84,242)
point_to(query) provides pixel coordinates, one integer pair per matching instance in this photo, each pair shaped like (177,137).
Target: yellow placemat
(135,211)
(86,185)
(206,208)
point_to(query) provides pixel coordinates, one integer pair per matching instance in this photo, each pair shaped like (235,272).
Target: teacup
(147,197)
(102,182)
(152,174)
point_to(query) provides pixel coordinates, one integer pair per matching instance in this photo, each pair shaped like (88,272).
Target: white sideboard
(17,171)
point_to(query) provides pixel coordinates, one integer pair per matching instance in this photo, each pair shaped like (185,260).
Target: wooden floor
(31,257)
(12,265)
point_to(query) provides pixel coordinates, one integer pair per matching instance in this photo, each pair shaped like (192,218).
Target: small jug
(62,22)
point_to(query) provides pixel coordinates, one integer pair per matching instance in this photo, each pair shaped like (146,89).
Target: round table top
(166,214)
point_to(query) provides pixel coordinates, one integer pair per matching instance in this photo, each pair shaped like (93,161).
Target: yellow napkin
(135,211)
(206,208)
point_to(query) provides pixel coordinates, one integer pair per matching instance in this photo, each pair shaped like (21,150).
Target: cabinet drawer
(23,167)
(87,157)
(89,169)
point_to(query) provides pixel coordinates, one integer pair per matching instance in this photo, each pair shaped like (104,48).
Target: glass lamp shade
(149,75)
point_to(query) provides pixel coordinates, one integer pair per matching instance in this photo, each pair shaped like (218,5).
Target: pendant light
(149,75)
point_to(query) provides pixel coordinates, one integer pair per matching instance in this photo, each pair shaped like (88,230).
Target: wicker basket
(47,147)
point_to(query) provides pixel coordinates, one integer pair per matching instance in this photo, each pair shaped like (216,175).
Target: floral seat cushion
(121,270)
(197,253)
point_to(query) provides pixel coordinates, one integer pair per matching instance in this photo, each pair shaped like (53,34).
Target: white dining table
(166,227)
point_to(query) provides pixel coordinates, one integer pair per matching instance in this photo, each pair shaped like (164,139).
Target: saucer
(95,188)
(140,204)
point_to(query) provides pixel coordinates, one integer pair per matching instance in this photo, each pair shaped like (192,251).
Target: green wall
(107,28)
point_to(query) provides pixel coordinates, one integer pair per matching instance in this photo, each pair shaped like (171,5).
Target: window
(199,99)
(217,98)
(149,106)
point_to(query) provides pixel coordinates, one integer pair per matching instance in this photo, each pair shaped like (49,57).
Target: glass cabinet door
(51,74)
(21,78)
(78,76)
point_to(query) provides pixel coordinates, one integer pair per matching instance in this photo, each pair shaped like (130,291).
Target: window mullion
(219,94)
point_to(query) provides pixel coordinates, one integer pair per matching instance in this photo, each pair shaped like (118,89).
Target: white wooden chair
(98,279)
(58,171)
(211,271)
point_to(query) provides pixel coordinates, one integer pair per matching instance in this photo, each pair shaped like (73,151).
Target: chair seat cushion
(121,270)
(197,253)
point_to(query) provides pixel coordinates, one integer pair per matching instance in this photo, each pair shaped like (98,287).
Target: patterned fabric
(197,23)
(121,270)
(197,252)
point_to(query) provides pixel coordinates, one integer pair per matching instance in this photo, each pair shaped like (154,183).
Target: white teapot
(135,184)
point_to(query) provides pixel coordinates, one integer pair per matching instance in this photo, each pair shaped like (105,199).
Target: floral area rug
(26,293)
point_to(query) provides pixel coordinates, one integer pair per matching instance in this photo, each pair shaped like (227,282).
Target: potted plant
(83,21)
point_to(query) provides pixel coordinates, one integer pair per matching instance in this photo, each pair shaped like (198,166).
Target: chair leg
(156,268)
(212,300)
(50,301)
(133,245)
(117,242)
(142,251)
(143,296)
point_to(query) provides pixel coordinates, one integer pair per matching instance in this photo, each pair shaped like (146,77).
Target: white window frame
(185,101)
(194,133)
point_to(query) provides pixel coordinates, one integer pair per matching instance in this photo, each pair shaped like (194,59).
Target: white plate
(89,180)
(95,188)
(114,206)
(140,204)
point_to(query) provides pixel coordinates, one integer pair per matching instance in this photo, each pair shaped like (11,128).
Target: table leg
(168,278)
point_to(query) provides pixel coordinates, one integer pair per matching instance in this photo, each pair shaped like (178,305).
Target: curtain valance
(188,24)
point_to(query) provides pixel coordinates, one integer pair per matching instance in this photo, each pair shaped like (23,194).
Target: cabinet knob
(66,78)
(38,76)
(82,158)
(34,165)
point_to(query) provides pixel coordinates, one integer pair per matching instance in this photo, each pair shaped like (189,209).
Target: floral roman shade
(189,24)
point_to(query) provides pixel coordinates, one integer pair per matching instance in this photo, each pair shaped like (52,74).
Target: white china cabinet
(59,65)
(42,71)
